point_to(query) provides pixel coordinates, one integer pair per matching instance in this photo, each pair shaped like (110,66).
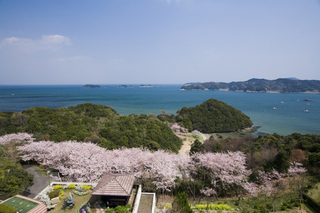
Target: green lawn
(21,204)
(78,201)
(315,192)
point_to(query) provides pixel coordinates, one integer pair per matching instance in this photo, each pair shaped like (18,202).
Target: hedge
(311,202)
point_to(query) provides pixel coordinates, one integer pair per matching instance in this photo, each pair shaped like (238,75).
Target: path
(39,184)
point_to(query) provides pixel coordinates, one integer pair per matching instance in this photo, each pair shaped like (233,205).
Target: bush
(88,208)
(180,203)
(129,207)
(256,207)
(256,211)
(293,200)
(168,205)
(284,204)
(121,209)
(80,193)
(57,187)
(7,209)
(269,206)
(289,206)
(53,194)
(263,209)
(72,186)
(283,208)
(297,204)
(237,203)
(86,187)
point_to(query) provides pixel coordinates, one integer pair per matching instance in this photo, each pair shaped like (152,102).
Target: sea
(272,112)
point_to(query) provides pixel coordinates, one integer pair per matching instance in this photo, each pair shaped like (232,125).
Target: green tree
(181,204)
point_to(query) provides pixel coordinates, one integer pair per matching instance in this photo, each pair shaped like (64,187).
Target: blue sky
(157,41)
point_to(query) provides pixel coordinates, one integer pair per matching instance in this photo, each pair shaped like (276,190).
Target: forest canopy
(90,122)
(213,116)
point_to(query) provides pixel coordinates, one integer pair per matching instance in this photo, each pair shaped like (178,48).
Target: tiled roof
(114,185)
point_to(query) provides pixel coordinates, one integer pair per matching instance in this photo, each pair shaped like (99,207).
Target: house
(114,189)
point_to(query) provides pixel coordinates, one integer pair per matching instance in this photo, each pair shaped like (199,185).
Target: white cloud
(47,42)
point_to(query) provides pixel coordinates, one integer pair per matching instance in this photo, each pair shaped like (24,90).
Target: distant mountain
(281,85)
(90,86)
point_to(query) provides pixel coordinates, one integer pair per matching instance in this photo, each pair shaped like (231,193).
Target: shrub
(129,207)
(72,186)
(284,204)
(180,203)
(7,209)
(61,194)
(256,207)
(263,209)
(283,208)
(168,205)
(53,194)
(121,209)
(86,187)
(289,206)
(219,202)
(256,211)
(57,187)
(80,193)
(269,206)
(237,203)
(293,200)
(88,208)
(297,204)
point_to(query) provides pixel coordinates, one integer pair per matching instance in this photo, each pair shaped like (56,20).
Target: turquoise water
(289,116)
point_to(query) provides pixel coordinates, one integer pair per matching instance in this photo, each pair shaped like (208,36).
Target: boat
(281,102)
(308,104)
(274,108)
(306,110)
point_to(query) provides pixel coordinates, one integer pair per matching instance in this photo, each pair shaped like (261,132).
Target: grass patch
(21,204)
(78,201)
(314,193)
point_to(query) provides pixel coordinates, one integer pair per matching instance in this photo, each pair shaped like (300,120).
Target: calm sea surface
(289,116)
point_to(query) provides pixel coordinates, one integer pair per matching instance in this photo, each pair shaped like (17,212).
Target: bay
(288,117)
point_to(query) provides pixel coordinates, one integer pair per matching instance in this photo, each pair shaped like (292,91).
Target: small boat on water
(281,102)
(308,104)
(274,108)
(306,110)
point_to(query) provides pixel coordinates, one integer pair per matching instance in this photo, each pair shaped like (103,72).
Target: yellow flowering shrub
(57,187)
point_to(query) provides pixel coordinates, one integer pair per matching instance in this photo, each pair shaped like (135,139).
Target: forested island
(91,86)
(280,85)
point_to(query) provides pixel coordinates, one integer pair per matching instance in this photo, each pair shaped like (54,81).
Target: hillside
(213,116)
(90,122)
(281,85)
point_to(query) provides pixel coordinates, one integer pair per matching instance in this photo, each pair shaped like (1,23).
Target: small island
(280,85)
(145,85)
(125,86)
(91,86)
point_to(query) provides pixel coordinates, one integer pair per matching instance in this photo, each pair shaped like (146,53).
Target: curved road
(39,184)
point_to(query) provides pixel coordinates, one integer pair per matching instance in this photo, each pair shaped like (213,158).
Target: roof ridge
(121,184)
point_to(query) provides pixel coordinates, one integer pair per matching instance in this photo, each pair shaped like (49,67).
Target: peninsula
(280,85)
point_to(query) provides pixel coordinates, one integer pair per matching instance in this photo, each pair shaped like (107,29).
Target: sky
(157,41)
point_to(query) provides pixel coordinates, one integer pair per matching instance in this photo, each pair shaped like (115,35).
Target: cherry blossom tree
(16,138)
(227,170)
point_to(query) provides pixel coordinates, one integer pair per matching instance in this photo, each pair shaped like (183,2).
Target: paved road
(39,182)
